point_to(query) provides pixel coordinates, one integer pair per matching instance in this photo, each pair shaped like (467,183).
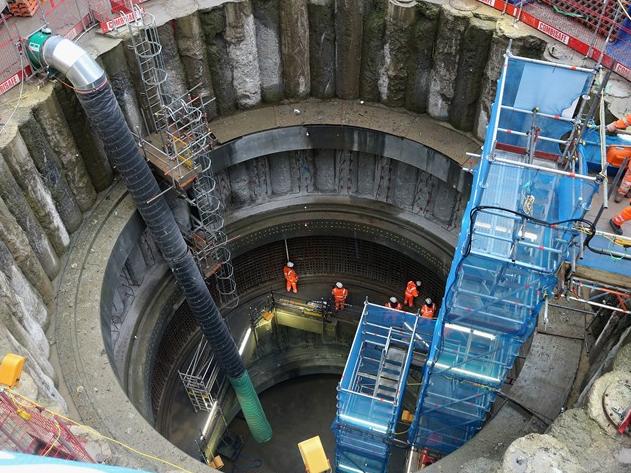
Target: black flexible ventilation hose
(108,121)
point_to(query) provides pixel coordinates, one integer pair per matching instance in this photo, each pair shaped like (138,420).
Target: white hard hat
(393,300)
(428,301)
(418,283)
(339,284)
(290,264)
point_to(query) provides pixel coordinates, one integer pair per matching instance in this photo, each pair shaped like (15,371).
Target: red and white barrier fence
(583,46)
(68,18)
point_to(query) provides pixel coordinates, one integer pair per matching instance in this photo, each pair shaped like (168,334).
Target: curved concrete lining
(85,367)
(86,290)
(85,287)
(399,127)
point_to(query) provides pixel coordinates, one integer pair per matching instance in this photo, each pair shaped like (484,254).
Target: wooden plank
(183,175)
(604,277)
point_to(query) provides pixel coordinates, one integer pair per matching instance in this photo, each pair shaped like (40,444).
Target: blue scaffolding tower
(370,393)
(529,195)
(530,191)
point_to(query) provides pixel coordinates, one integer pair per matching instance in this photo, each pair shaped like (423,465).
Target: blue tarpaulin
(513,238)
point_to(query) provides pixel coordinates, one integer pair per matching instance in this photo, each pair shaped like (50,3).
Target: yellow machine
(313,456)
(11,369)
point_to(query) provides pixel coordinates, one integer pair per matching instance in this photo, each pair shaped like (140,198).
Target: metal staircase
(370,394)
(518,229)
(529,195)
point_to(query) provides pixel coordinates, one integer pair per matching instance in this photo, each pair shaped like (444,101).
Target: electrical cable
(566,13)
(479,208)
(624,9)
(149,456)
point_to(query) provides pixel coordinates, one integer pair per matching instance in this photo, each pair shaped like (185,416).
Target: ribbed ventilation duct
(97,98)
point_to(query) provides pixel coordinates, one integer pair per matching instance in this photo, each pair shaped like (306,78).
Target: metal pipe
(548,63)
(543,168)
(500,96)
(411,463)
(547,115)
(521,133)
(588,283)
(598,304)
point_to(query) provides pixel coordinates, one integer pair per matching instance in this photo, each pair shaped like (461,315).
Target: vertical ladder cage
(178,144)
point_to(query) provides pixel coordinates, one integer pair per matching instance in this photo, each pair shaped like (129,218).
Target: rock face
(294,28)
(348,42)
(580,440)
(190,44)
(442,83)
(535,453)
(267,23)
(322,48)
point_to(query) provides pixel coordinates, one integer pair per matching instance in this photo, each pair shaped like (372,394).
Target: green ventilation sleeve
(252,409)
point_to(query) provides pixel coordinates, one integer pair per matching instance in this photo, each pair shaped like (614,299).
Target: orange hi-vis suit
(339,296)
(623,216)
(428,311)
(411,292)
(617,154)
(291,278)
(392,305)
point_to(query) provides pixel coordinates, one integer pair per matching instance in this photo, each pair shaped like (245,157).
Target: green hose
(252,409)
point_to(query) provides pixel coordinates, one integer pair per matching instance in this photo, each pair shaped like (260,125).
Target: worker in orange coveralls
(411,291)
(617,222)
(393,303)
(428,310)
(340,293)
(291,277)
(617,154)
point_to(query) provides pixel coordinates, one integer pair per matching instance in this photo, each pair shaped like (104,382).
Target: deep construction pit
(365,172)
(295,368)
(374,248)
(371,245)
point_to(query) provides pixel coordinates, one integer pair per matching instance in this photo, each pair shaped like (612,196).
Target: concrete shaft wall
(431,57)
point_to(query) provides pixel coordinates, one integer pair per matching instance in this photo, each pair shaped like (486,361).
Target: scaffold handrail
(515,235)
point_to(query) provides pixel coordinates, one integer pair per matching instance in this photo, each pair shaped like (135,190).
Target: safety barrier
(26,428)
(598,30)
(68,18)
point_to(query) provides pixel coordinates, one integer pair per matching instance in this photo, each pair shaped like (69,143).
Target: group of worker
(616,156)
(428,309)
(340,294)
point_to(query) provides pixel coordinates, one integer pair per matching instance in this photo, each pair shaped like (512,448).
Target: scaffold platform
(370,393)
(520,226)
(180,171)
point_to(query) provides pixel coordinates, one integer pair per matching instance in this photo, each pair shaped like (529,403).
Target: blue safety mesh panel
(370,393)
(516,231)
